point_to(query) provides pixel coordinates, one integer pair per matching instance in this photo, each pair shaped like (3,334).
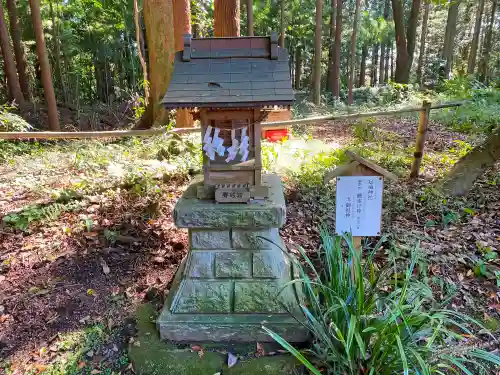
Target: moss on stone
(151,356)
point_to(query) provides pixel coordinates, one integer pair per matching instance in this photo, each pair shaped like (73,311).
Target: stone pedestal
(234,279)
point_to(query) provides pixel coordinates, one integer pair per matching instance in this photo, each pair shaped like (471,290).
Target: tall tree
(485,59)
(15,33)
(182,15)
(8,61)
(423,36)
(450,33)
(350,97)
(362,67)
(226,18)
(411,31)
(402,74)
(282,24)
(159,22)
(471,66)
(298,66)
(43,60)
(338,42)
(140,46)
(317,53)
(250,17)
(331,47)
(57,51)
(373,74)
(383,46)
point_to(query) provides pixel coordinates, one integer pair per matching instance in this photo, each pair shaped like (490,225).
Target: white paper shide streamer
(215,144)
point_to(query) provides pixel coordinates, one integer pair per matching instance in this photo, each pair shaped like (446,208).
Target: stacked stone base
(236,277)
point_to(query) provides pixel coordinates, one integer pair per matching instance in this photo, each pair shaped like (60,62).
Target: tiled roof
(230,72)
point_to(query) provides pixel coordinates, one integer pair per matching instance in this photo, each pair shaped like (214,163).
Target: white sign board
(359,205)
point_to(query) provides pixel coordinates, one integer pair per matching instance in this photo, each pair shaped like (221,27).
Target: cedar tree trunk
(282,24)
(8,61)
(140,44)
(362,68)
(402,74)
(317,53)
(421,55)
(159,22)
(15,33)
(182,16)
(298,66)
(449,38)
(331,47)
(350,97)
(41,51)
(338,42)
(411,32)
(250,17)
(227,18)
(483,65)
(471,66)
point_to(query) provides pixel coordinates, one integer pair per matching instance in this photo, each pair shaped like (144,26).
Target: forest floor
(87,233)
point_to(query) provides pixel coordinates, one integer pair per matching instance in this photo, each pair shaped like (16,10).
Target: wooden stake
(356,242)
(423,126)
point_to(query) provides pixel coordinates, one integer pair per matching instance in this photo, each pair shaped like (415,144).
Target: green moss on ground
(151,356)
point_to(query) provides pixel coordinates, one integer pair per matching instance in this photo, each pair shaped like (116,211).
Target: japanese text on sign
(359,205)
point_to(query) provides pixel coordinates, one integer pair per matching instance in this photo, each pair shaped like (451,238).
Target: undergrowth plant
(365,320)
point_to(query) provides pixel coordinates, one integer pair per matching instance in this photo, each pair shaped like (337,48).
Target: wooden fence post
(423,125)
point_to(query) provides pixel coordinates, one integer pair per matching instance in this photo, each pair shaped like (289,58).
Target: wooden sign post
(360,185)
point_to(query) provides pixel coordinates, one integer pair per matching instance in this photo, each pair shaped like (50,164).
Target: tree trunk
(182,16)
(411,31)
(392,63)
(461,178)
(298,66)
(15,33)
(362,68)
(338,42)
(383,46)
(388,51)
(402,74)
(331,49)
(41,51)
(471,66)
(317,53)
(282,24)
(57,52)
(374,74)
(140,44)
(449,39)
(8,61)
(226,18)
(350,96)
(158,18)
(421,55)
(483,65)
(250,17)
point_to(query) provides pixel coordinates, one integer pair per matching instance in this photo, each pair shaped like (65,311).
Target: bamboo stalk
(150,132)
(423,126)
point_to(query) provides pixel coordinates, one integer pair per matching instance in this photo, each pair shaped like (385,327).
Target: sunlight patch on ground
(291,155)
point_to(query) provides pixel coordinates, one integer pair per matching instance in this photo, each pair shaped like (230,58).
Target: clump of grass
(366,320)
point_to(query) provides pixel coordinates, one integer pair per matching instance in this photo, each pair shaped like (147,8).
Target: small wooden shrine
(230,84)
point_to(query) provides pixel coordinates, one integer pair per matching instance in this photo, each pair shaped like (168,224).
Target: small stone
(159,260)
(231,360)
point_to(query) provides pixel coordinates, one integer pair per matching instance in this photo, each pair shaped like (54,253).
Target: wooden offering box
(231,84)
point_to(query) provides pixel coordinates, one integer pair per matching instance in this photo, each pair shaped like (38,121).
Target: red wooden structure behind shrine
(230,84)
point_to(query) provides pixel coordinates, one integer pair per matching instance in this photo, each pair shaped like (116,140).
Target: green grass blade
(458,363)
(292,351)
(404,360)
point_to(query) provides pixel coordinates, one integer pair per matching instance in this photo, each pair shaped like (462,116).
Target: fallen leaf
(90,292)
(2,278)
(81,364)
(84,319)
(95,371)
(217,373)
(260,350)
(40,367)
(137,343)
(2,309)
(90,234)
(231,360)
(104,266)
(196,348)
(159,260)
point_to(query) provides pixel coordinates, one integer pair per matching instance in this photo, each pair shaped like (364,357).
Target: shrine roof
(230,72)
